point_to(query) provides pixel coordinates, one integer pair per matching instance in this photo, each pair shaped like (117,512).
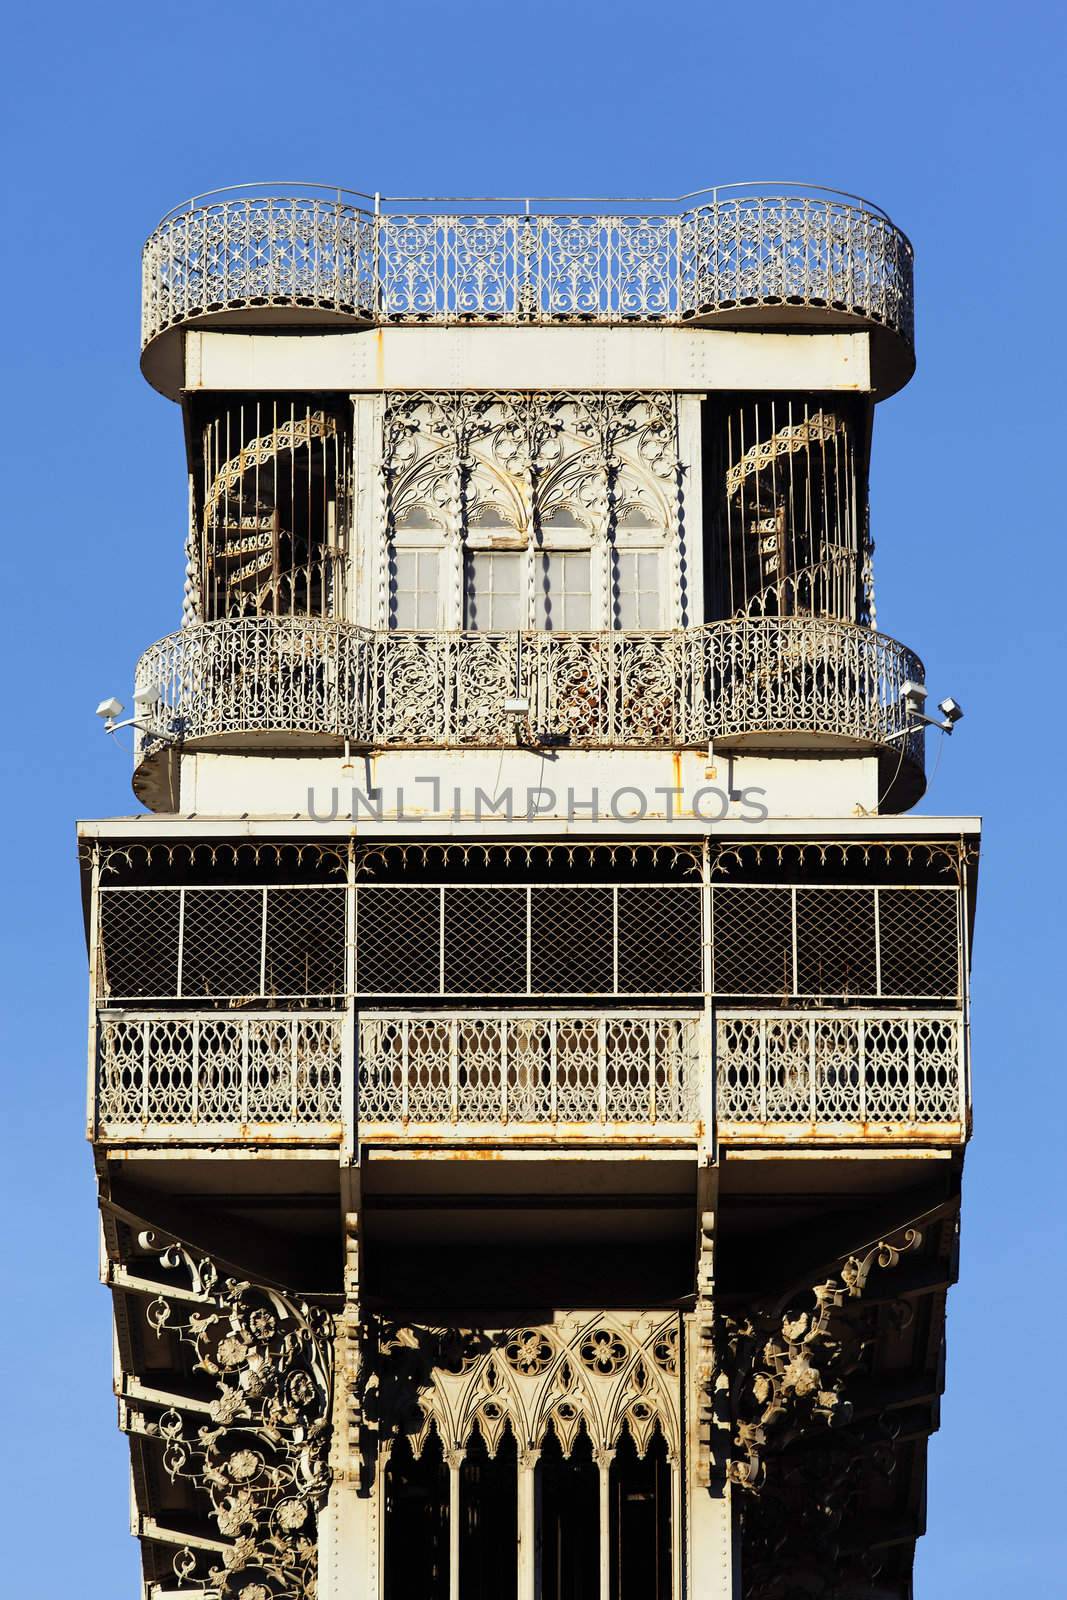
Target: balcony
(840,1077)
(193,1076)
(783,1077)
(737,255)
(744,683)
(561,1075)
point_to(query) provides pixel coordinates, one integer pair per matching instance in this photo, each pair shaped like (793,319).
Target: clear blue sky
(951,117)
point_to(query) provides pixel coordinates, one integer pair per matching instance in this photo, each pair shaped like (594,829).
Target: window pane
(416,589)
(637,582)
(566,598)
(493,590)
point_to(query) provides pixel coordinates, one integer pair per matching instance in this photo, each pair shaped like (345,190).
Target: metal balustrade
(316,680)
(842,1076)
(519,1069)
(782,1077)
(338,253)
(219,1075)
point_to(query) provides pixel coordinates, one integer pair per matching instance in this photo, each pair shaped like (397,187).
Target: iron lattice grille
(516,1067)
(288,941)
(531,940)
(839,1069)
(812,941)
(272,509)
(278,941)
(213,1071)
(787,495)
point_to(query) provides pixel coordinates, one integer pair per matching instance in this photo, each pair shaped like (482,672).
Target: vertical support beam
(604,1458)
(689,538)
(455,1467)
(674,1463)
(93,1084)
(527,1509)
(348,1546)
(711,1558)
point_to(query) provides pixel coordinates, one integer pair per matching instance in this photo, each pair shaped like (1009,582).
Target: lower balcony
(519,1075)
(275,1077)
(840,1077)
(745,683)
(220,1076)
(783,1077)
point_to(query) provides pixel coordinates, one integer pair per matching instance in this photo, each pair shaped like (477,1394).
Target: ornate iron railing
(518,1068)
(840,1075)
(320,678)
(332,250)
(219,1075)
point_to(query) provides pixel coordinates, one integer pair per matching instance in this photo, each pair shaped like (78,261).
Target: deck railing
(324,678)
(219,1075)
(440,261)
(515,1069)
(782,1077)
(840,1076)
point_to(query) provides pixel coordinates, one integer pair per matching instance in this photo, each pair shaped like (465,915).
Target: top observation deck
(751,255)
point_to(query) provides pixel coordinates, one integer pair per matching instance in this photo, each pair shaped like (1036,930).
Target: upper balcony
(744,684)
(739,255)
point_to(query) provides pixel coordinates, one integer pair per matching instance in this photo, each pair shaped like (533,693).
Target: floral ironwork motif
(779,1368)
(262,1458)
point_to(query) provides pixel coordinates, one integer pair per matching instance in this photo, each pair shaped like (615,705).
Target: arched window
(495,572)
(416,589)
(565,585)
(639,576)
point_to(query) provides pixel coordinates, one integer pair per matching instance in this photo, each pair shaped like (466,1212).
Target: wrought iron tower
(528,1043)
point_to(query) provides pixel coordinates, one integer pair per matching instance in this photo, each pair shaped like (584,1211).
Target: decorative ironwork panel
(291,676)
(844,1072)
(603,1374)
(256,1455)
(513,1068)
(217,1073)
(326,252)
(258,250)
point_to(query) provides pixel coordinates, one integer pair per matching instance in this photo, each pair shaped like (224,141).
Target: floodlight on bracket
(913,698)
(110,711)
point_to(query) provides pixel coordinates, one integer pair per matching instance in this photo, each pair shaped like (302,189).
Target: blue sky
(948,115)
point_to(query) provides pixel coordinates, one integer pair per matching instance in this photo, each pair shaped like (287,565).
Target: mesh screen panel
(485,941)
(222,942)
(571,938)
(920,942)
(753,940)
(836,942)
(139,942)
(305,942)
(398,941)
(660,941)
